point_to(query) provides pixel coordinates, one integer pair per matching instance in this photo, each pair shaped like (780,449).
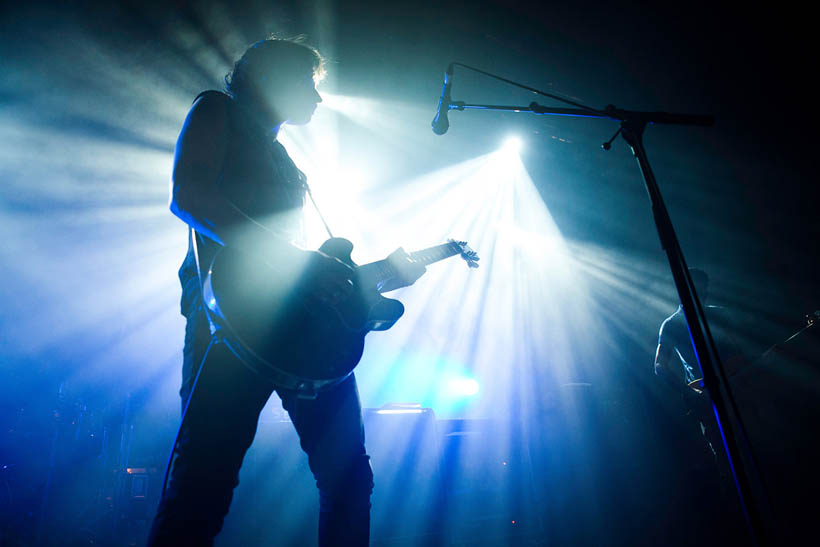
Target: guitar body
(267,317)
(368,309)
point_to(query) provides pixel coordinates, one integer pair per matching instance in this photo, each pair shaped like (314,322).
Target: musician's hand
(408,271)
(327,278)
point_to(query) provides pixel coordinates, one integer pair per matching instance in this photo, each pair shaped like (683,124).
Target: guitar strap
(192,238)
(313,201)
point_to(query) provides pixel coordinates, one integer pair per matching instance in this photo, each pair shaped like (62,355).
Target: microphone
(440,123)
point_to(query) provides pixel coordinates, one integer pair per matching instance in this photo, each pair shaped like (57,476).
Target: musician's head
(701,281)
(278,77)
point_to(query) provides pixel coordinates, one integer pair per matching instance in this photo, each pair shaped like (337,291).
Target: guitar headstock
(469,255)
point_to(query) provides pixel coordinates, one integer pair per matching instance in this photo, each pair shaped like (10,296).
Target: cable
(184,414)
(544,93)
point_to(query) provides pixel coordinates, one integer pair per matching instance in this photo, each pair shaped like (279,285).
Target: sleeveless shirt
(260,179)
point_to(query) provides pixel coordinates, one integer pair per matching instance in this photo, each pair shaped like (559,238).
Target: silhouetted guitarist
(236,186)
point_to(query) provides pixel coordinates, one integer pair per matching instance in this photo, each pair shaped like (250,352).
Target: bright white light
(336,102)
(512,145)
(463,386)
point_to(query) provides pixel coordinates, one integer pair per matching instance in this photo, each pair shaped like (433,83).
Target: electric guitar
(265,314)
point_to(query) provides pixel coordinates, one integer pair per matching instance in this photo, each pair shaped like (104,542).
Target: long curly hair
(271,59)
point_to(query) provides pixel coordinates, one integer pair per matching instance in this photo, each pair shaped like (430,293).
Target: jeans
(218,428)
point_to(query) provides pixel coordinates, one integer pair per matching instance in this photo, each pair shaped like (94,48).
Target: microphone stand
(632,125)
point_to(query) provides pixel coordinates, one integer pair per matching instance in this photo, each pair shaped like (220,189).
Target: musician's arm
(668,367)
(663,359)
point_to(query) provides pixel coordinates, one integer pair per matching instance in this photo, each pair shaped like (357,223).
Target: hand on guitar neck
(407,271)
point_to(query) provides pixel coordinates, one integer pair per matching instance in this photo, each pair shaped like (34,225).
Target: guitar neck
(436,253)
(380,271)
